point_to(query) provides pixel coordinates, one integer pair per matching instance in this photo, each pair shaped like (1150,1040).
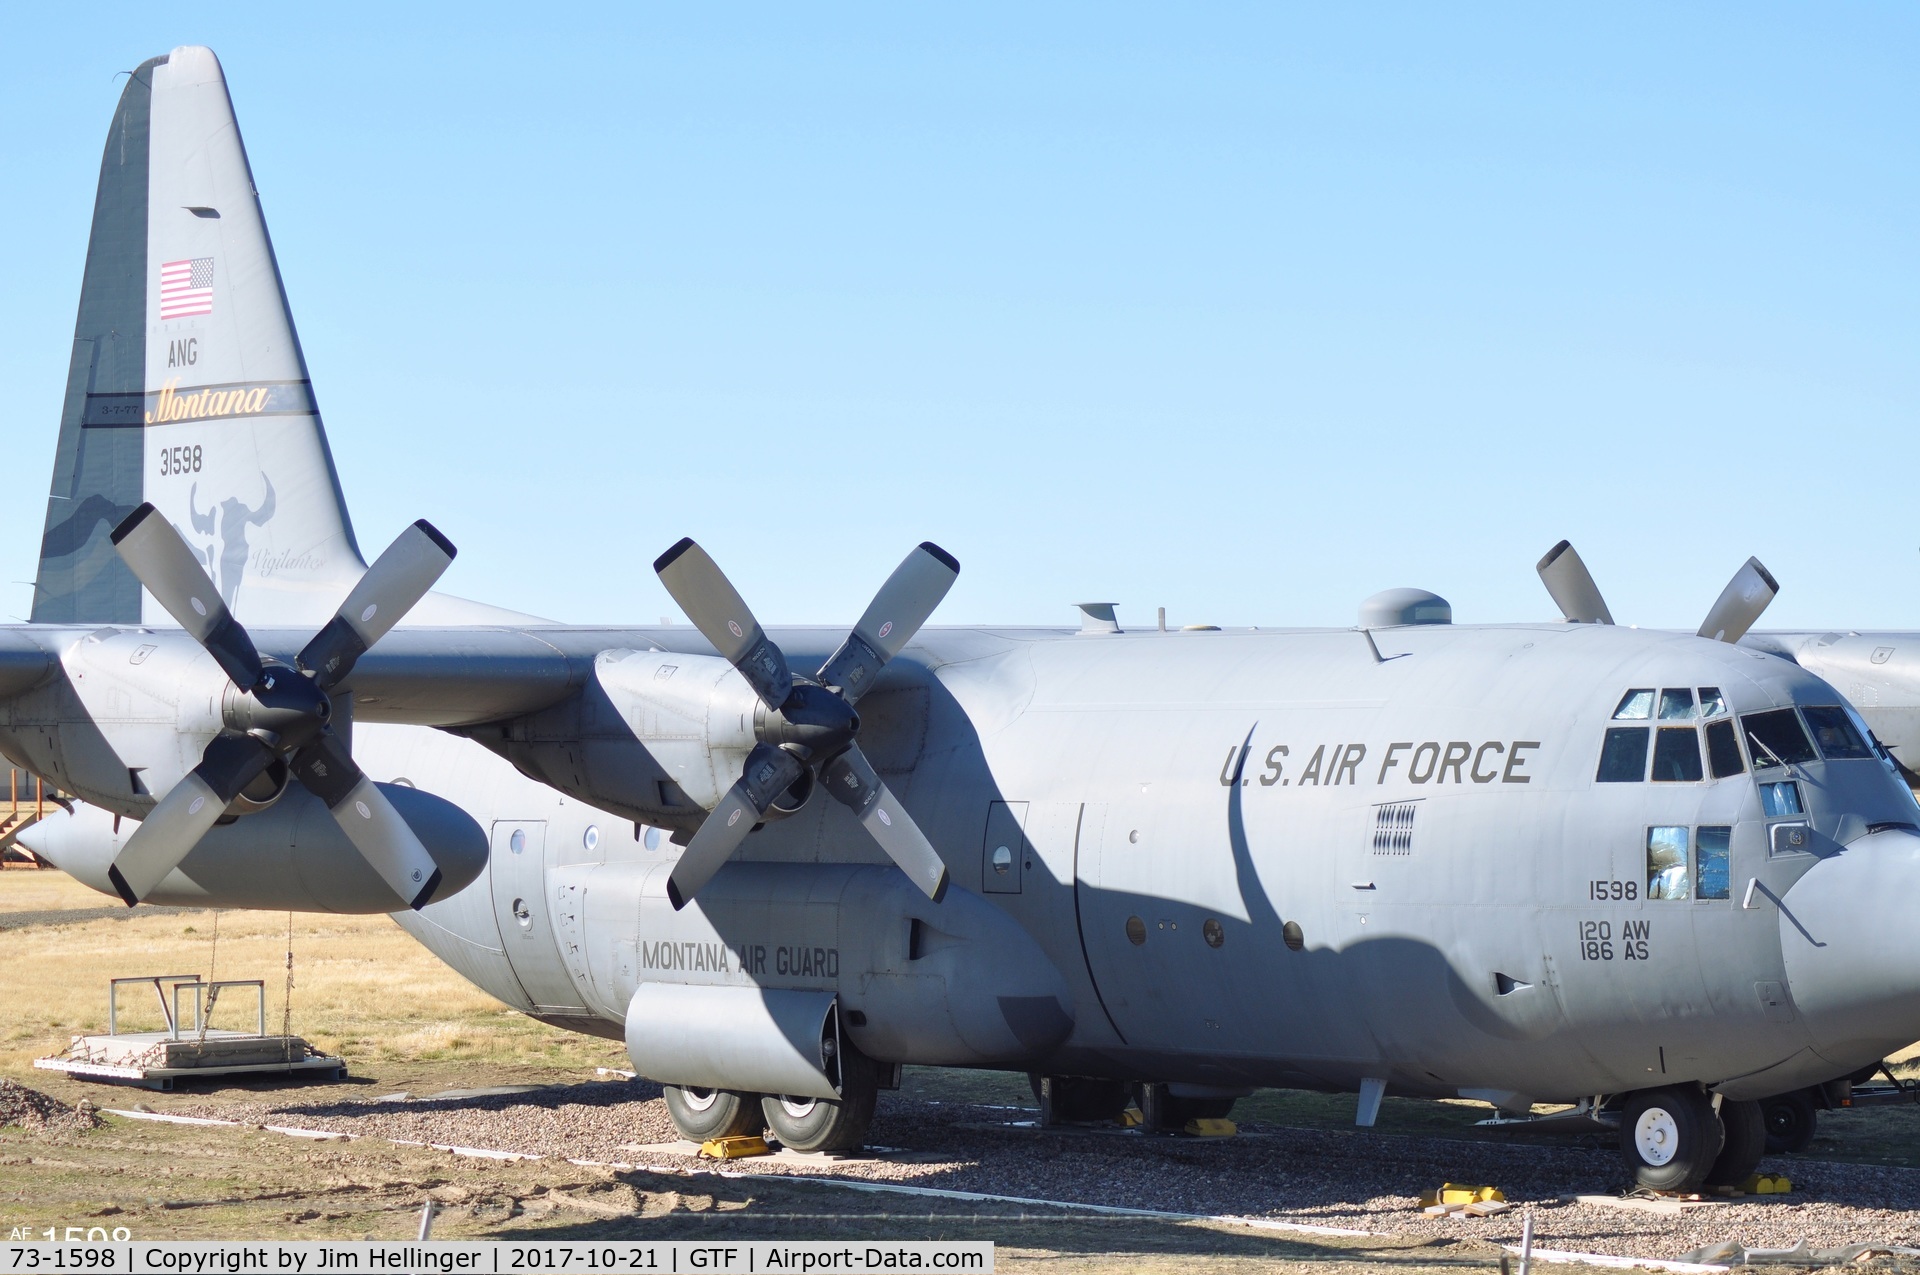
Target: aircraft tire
(1746,1128)
(700,1114)
(1670,1138)
(1791,1120)
(825,1124)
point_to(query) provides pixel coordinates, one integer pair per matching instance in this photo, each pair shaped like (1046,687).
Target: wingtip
(672,555)
(120,885)
(131,521)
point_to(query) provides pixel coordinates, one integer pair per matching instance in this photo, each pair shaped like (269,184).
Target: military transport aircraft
(1653,873)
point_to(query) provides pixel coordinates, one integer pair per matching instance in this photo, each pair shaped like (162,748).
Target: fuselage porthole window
(1623,756)
(1635,706)
(1676,755)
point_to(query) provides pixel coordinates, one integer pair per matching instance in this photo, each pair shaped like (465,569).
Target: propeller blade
(1571,586)
(1741,602)
(721,615)
(327,770)
(853,783)
(178,820)
(397,580)
(769,772)
(162,562)
(897,611)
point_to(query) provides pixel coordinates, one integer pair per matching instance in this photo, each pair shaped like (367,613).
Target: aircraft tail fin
(187,387)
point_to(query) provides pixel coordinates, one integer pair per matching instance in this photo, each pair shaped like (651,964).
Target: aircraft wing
(462,676)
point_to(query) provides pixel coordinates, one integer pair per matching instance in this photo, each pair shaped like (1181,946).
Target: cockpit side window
(1776,737)
(1669,870)
(1676,705)
(1713,845)
(1635,706)
(1723,749)
(1835,733)
(1712,703)
(1676,755)
(1623,757)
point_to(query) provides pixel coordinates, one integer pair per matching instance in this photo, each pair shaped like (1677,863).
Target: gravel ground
(31,1109)
(1359,1179)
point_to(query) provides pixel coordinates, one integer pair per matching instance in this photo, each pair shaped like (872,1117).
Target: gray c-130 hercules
(1528,862)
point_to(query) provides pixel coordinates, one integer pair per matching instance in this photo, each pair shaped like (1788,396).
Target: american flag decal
(186,288)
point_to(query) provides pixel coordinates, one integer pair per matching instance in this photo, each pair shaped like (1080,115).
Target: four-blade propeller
(1733,613)
(274,714)
(807,724)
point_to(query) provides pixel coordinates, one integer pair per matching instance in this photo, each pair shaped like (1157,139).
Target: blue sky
(1246,312)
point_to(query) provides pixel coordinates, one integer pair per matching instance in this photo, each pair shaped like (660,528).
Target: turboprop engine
(293,857)
(262,721)
(792,733)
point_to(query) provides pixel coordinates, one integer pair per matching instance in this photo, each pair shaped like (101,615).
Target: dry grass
(362,987)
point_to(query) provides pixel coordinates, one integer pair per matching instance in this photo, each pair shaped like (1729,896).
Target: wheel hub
(1656,1136)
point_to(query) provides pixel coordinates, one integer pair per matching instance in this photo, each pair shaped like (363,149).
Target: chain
(213,970)
(286,1006)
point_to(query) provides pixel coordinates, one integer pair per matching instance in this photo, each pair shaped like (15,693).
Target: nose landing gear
(1674,1140)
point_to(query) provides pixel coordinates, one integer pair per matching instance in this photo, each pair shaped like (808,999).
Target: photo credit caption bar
(497,1257)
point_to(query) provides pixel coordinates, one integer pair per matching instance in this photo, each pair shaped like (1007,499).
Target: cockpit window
(1623,757)
(1835,734)
(1776,737)
(1637,706)
(1676,705)
(1713,844)
(1712,704)
(1676,755)
(1723,750)
(1669,872)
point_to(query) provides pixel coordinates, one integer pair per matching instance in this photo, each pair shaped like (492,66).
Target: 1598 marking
(1614,891)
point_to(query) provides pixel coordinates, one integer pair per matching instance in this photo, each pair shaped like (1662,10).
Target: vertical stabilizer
(187,386)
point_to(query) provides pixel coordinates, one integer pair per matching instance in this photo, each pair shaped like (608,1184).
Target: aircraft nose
(1852,948)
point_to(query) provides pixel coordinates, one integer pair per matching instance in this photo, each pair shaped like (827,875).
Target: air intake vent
(1393,828)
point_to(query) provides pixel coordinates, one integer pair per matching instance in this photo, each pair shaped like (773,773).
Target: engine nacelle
(694,713)
(292,857)
(155,697)
(956,983)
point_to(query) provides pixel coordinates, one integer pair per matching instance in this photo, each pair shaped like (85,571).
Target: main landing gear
(798,1122)
(1092,1100)
(1674,1139)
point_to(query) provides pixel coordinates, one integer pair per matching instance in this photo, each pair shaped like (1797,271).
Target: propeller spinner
(807,724)
(278,714)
